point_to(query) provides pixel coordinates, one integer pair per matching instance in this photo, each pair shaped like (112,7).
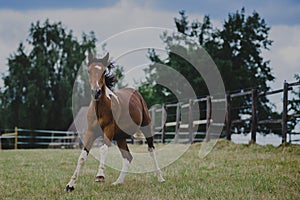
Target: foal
(117,115)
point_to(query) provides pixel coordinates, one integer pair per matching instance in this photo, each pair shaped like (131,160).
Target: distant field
(230,171)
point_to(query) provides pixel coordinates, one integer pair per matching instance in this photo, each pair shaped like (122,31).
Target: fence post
(191,132)
(163,124)
(16,138)
(228,117)
(284,111)
(254,115)
(208,117)
(177,122)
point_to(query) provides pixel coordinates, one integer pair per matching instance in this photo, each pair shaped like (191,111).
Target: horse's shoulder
(125,92)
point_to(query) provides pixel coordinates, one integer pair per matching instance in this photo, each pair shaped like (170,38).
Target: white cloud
(284,53)
(105,22)
(125,15)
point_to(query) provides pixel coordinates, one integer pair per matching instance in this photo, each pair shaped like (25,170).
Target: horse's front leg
(88,142)
(100,177)
(108,135)
(74,178)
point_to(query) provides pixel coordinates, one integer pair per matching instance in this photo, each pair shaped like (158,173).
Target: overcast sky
(110,17)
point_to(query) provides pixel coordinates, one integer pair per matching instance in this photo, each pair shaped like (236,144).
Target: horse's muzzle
(96,94)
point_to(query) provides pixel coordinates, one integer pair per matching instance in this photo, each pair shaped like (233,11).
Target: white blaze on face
(98,67)
(97,84)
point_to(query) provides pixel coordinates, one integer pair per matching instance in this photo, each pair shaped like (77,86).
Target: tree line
(37,91)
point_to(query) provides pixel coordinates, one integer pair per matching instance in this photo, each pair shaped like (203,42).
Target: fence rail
(26,138)
(188,134)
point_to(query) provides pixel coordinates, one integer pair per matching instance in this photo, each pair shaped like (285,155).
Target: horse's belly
(128,125)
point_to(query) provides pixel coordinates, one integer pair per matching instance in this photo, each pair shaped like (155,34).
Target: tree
(236,50)
(37,91)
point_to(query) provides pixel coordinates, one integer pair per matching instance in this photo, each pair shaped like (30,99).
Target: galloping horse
(117,115)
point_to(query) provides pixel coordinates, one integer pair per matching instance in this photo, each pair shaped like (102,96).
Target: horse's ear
(90,57)
(105,59)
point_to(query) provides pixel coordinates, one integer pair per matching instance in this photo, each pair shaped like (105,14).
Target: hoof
(161,180)
(100,179)
(69,189)
(117,183)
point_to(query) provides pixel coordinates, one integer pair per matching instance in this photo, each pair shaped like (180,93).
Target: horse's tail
(146,119)
(146,126)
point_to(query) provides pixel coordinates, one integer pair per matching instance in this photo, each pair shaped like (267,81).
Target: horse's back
(132,101)
(129,96)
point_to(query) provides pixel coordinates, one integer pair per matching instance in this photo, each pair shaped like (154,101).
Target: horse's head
(97,69)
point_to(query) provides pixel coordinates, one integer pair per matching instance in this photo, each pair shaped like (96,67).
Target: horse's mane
(110,78)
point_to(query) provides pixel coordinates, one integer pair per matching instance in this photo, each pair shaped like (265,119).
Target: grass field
(230,171)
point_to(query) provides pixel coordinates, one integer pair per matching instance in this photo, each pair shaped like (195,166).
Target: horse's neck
(106,98)
(103,105)
(109,93)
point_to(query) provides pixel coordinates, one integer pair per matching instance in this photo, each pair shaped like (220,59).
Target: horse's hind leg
(157,169)
(127,158)
(149,137)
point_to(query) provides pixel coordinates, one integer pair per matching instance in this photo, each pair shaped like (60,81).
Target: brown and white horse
(116,115)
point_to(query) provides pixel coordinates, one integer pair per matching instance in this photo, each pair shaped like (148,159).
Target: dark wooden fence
(184,131)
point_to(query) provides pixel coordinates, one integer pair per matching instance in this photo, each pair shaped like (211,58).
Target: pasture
(230,171)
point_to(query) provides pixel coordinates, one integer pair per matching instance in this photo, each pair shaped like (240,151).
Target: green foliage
(295,102)
(236,49)
(38,87)
(119,75)
(294,105)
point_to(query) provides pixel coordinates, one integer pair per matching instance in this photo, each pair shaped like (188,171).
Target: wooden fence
(187,130)
(25,138)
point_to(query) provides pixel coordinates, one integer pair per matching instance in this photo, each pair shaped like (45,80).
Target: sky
(115,17)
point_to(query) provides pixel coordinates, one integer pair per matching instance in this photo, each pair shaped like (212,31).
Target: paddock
(230,171)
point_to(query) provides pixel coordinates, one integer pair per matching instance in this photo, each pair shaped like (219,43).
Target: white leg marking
(158,171)
(81,160)
(103,154)
(125,166)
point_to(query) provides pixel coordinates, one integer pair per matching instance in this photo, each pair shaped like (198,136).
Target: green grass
(230,171)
